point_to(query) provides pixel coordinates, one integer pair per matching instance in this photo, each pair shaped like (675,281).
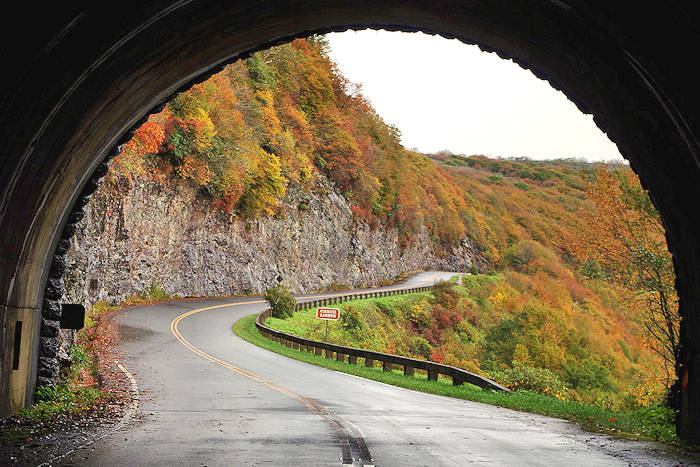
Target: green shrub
(59,401)
(386,308)
(80,357)
(587,374)
(520,255)
(539,380)
(420,346)
(156,292)
(657,423)
(351,319)
(281,301)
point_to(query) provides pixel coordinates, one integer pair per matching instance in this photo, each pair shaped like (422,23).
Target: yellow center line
(313,406)
(310,404)
(178,335)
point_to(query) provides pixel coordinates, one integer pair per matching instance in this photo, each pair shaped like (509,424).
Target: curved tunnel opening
(609,81)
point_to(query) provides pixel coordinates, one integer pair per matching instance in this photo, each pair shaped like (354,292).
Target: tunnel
(79,77)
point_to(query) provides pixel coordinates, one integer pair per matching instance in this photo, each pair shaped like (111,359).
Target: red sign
(328,313)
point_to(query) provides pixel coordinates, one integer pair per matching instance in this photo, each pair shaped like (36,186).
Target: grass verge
(653,423)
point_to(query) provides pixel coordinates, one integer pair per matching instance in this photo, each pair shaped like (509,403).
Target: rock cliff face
(165,235)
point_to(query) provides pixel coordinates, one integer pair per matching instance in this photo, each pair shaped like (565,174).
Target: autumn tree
(625,243)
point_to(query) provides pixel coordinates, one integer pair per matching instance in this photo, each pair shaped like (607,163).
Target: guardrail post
(352,359)
(340,357)
(387,366)
(329,353)
(408,370)
(318,350)
(432,374)
(457,380)
(369,362)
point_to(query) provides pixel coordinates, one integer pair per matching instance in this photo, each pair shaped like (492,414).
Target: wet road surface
(224,401)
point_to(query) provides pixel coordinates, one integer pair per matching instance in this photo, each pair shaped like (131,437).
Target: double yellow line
(178,335)
(313,406)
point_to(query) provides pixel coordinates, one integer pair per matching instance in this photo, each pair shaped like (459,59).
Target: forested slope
(554,315)
(283,116)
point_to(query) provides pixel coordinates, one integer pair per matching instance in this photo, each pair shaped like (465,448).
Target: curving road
(210,398)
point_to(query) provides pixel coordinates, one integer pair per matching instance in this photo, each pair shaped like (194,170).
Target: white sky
(443,94)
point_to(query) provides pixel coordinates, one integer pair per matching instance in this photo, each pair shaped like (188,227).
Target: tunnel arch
(85,77)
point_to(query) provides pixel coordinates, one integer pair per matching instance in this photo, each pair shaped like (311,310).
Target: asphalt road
(210,398)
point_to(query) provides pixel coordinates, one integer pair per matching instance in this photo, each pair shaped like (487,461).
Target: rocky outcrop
(169,236)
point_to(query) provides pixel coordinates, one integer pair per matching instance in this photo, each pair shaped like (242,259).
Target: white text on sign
(328,313)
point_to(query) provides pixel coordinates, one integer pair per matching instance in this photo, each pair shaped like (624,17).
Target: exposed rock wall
(168,235)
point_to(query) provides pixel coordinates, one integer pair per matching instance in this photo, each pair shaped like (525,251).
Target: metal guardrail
(388,361)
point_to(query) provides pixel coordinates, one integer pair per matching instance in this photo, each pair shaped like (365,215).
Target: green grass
(653,423)
(305,324)
(68,398)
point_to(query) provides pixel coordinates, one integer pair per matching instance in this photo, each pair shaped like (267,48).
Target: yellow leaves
(498,298)
(420,314)
(267,186)
(520,354)
(305,173)
(205,130)
(196,169)
(648,391)
(265,96)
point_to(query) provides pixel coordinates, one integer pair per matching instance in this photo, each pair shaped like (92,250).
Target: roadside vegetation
(91,390)
(78,400)
(503,327)
(654,423)
(75,395)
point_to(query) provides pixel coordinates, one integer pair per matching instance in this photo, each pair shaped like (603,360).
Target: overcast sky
(443,94)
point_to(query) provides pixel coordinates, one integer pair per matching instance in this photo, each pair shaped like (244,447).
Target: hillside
(542,319)
(282,117)
(286,121)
